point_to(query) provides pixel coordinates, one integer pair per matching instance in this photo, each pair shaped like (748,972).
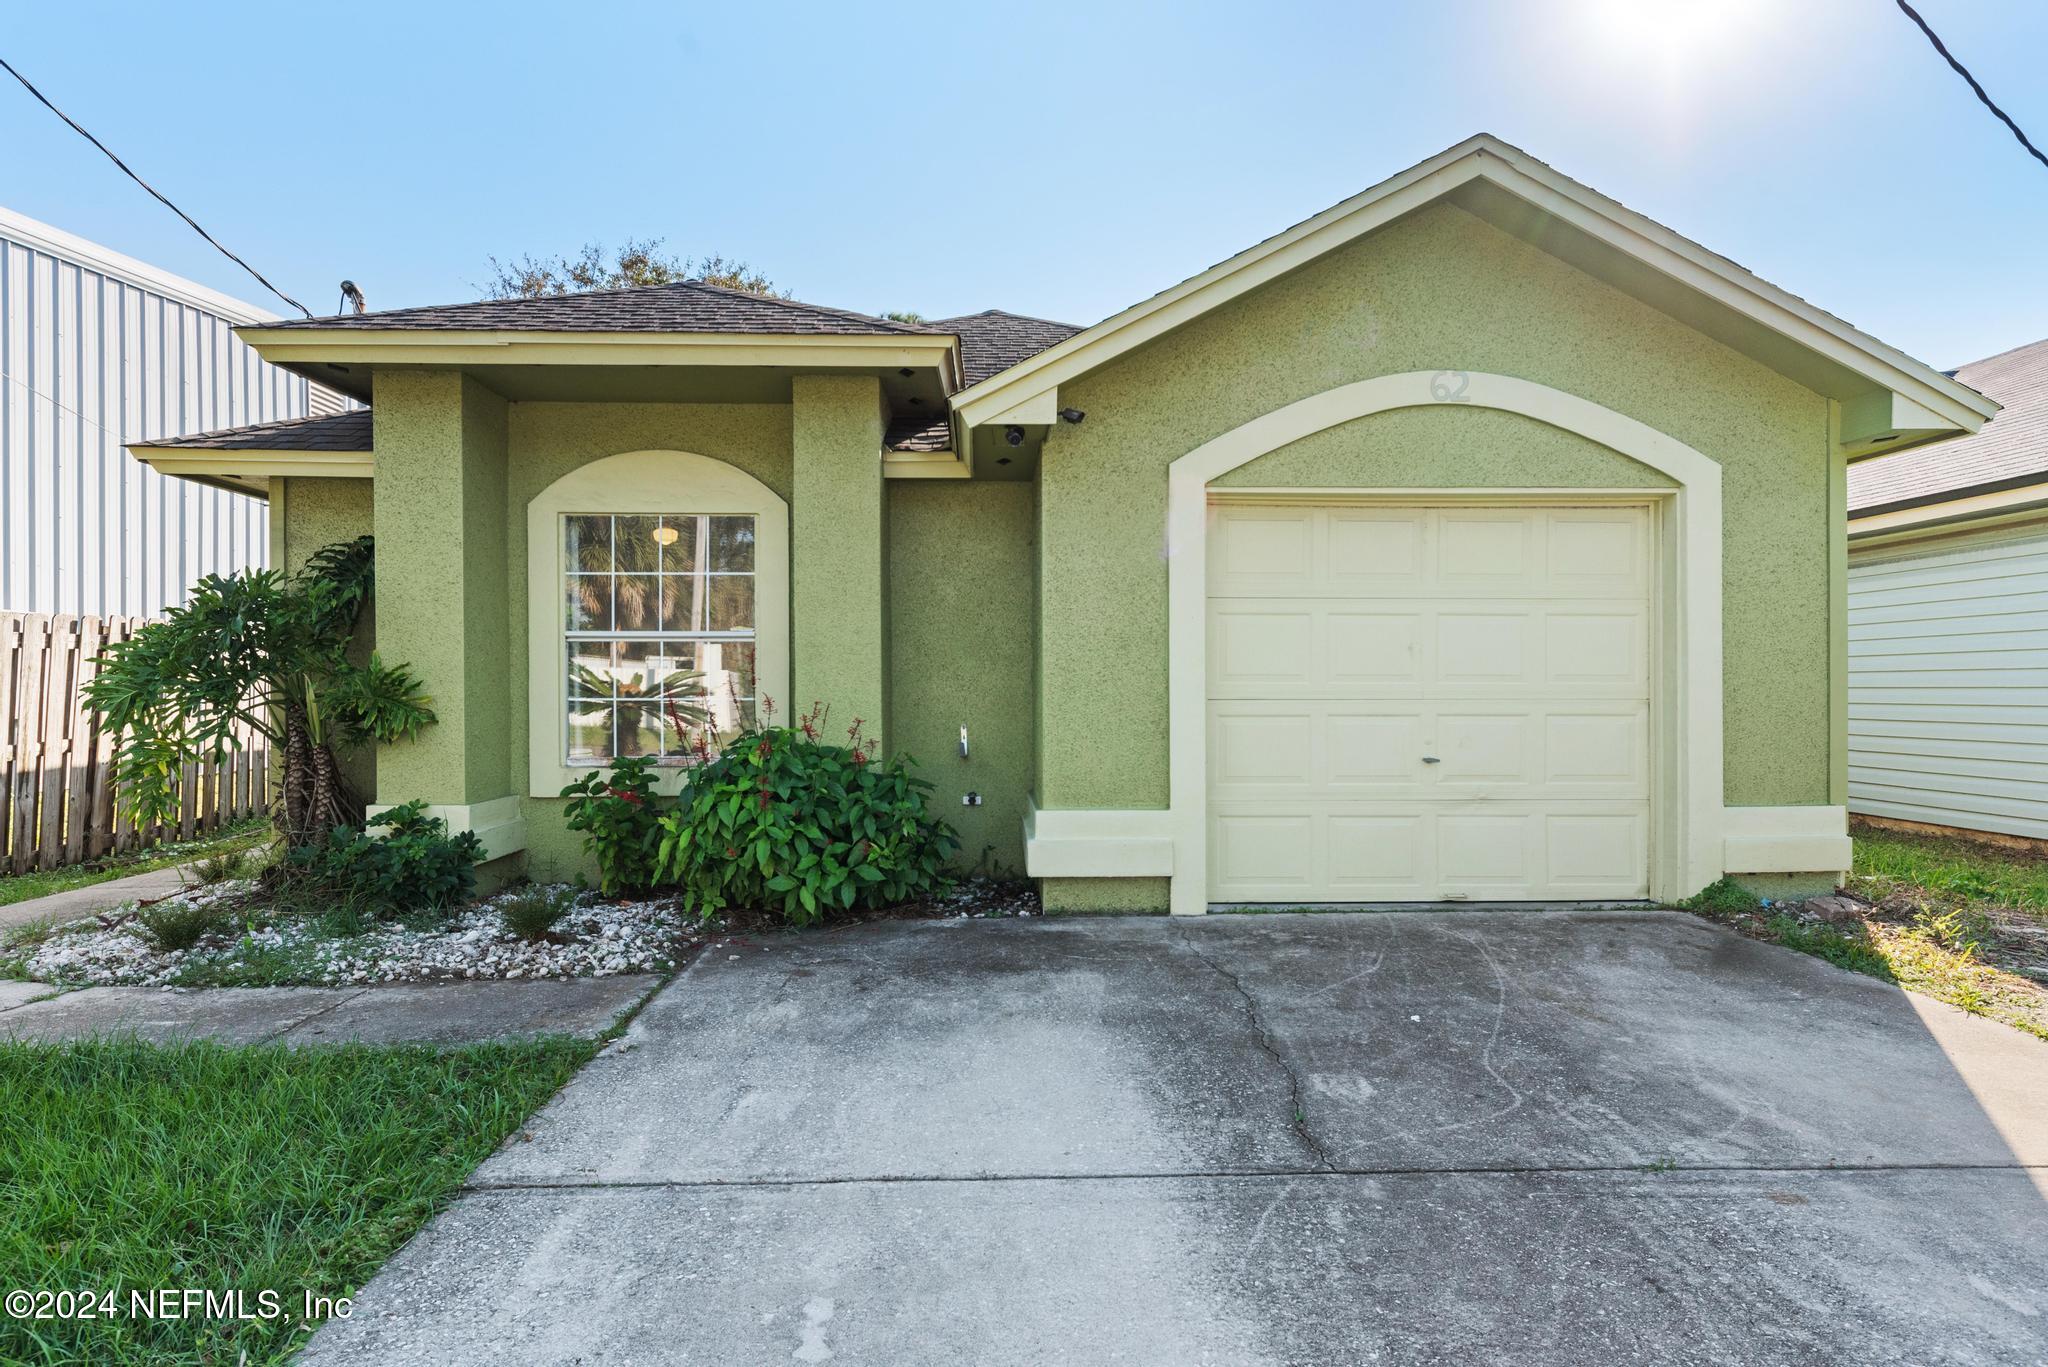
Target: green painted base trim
(495,875)
(1105,896)
(1785,887)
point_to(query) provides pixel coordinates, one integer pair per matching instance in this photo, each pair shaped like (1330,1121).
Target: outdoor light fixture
(665,535)
(1071,415)
(1014,435)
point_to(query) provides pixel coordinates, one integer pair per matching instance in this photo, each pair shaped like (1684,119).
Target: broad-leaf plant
(271,652)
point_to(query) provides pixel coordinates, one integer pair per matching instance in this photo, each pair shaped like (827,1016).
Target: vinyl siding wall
(96,352)
(1948,682)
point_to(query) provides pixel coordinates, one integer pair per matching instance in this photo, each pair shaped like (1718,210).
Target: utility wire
(76,128)
(1964,72)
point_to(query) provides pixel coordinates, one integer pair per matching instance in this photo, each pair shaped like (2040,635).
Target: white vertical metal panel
(98,350)
(1948,682)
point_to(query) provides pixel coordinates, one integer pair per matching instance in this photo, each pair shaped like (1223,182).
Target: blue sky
(1061,160)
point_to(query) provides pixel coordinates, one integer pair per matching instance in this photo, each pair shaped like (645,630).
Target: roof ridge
(2002,355)
(691,286)
(1006,313)
(808,307)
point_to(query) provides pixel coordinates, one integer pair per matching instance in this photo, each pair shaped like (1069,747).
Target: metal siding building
(98,350)
(1948,683)
(1948,618)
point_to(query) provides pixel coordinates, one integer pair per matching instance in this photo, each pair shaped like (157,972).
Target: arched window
(658,618)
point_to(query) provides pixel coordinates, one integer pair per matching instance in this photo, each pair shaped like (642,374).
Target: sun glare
(1677,35)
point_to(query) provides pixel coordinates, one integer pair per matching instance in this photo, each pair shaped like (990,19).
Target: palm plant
(266,651)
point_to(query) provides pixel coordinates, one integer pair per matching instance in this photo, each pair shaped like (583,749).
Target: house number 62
(1448,386)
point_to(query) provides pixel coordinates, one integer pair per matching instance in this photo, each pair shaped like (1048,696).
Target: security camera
(1014,435)
(1071,415)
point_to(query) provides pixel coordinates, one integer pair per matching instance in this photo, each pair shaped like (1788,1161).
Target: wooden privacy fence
(56,770)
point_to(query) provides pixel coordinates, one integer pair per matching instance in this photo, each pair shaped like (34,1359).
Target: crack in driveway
(1299,1116)
(1254,1175)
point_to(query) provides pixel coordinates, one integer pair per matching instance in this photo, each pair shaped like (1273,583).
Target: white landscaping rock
(602,939)
(597,938)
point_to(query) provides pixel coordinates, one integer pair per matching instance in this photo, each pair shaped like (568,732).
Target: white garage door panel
(1408,704)
(1387,852)
(1321,748)
(1289,646)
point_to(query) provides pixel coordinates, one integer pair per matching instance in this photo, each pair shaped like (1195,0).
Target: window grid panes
(658,615)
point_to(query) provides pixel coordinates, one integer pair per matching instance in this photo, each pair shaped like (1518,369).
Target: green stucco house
(1475,540)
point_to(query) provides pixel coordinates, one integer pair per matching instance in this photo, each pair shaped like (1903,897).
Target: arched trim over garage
(1686,844)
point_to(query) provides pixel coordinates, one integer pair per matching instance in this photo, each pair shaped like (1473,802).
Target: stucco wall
(317,513)
(962,601)
(544,442)
(1439,290)
(440,527)
(838,533)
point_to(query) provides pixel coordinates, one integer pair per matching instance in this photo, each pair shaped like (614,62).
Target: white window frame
(641,483)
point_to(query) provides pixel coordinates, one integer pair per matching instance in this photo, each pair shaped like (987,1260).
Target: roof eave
(250,471)
(450,346)
(343,358)
(2022,499)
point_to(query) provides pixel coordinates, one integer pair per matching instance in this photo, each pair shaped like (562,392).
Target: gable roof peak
(1499,181)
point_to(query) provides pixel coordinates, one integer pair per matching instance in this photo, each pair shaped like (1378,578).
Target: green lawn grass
(130,1166)
(20,887)
(1956,920)
(1960,870)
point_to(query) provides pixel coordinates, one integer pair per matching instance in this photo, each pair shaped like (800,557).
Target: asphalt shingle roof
(992,340)
(685,306)
(348,431)
(918,431)
(2013,446)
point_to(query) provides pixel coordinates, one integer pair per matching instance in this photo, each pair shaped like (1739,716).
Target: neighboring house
(98,350)
(1948,619)
(1477,539)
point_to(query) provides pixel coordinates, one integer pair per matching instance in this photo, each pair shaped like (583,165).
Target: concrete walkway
(76,903)
(450,1014)
(1411,1138)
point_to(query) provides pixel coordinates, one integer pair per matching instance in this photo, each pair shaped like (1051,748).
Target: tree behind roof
(636,263)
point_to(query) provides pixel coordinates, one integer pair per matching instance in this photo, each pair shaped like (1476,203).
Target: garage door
(1416,703)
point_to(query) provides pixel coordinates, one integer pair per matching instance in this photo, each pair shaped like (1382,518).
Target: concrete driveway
(1565,1137)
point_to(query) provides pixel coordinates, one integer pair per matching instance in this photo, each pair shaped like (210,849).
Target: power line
(76,128)
(1964,72)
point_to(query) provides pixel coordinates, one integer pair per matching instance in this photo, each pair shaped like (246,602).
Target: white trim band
(1786,840)
(1078,843)
(499,823)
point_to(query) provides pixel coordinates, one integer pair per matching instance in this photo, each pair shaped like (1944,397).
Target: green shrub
(782,821)
(415,866)
(345,916)
(178,924)
(1722,897)
(620,821)
(532,913)
(221,868)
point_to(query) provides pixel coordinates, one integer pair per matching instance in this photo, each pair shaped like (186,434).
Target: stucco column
(837,612)
(439,514)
